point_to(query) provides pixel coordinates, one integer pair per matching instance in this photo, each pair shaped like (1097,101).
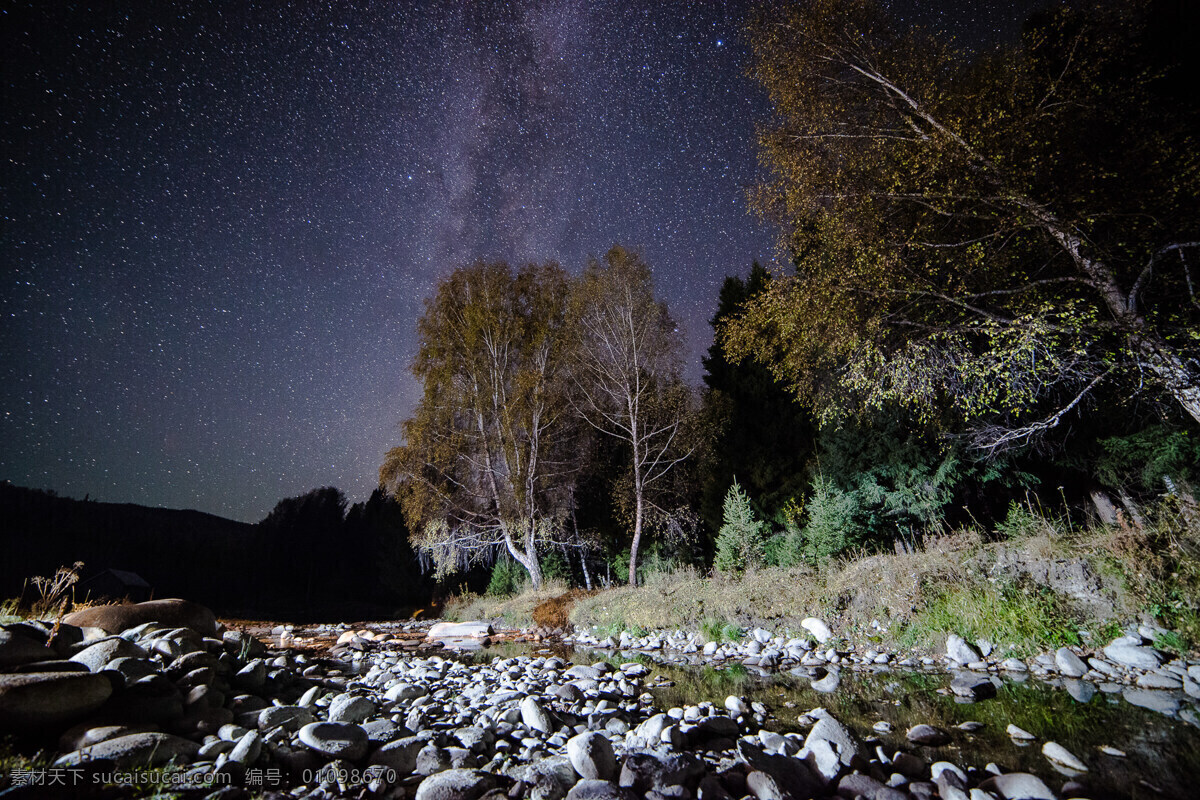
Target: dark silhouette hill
(311,558)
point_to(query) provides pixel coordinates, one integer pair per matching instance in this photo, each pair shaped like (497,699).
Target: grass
(514,611)
(1021,621)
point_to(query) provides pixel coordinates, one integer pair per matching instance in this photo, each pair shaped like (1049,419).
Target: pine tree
(742,537)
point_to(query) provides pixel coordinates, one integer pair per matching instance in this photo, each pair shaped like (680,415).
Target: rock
(856,785)
(459,630)
(1013,665)
(405,691)
(290,718)
(134,750)
(1082,691)
(792,776)
(550,778)
(644,772)
(1069,664)
(927,735)
(1162,702)
(1109,750)
(588,789)
(173,613)
(350,708)
(399,754)
(959,650)
(40,700)
(335,740)
(535,717)
(829,683)
(1133,656)
(829,748)
(973,685)
(1155,680)
(247,749)
(17,649)
(86,734)
(1018,786)
(456,784)
(1019,733)
(591,755)
(1063,757)
(764,787)
(817,628)
(432,759)
(97,656)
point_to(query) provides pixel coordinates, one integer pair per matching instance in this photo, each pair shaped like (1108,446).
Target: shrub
(741,540)
(508,578)
(555,567)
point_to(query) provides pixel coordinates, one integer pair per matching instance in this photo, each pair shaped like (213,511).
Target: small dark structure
(114,584)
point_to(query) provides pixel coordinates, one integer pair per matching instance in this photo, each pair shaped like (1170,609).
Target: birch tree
(999,233)
(626,372)
(487,460)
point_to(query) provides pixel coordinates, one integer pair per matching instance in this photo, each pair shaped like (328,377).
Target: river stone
(959,650)
(535,717)
(1063,757)
(405,691)
(1069,664)
(17,649)
(247,749)
(1162,702)
(335,739)
(549,778)
(858,785)
(1082,691)
(86,734)
(135,750)
(1133,656)
(973,685)
(792,776)
(456,784)
(432,759)
(149,699)
(589,789)
(644,772)
(1156,680)
(97,656)
(43,699)
(172,612)
(1019,733)
(1018,786)
(290,718)
(829,747)
(829,683)
(817,628)
(350,708)
(399,754)
(927,735)
(592,756)
(1013,665)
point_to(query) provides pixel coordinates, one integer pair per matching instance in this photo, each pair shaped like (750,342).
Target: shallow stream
(1162,753)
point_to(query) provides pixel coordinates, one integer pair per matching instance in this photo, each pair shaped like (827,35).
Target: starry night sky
(220,219)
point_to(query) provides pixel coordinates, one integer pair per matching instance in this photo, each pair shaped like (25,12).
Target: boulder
(460,630)
(17,648)
(97,656)
(1018,786)
(37,700)
(592,756)
(456,784)
(335,740)
(589,789)
(1069,664)
(135,750)
(817,628)
(959,650)
(171,612)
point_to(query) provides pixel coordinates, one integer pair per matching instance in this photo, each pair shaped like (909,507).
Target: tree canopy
(989,235)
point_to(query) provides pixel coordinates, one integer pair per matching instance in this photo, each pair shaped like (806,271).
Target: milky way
(220,219)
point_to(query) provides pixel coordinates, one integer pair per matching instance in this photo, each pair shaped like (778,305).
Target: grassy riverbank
(1036,583)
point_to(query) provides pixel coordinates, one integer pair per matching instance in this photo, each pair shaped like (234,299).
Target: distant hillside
(234,567)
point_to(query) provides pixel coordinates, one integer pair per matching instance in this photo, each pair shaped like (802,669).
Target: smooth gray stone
(591,755)
(1153,699)
(350,708)
(927,735)
(400,754)
(456,784)
(1133,656)
(1018,786)
(1069,664)
(335,739)
(97,656)
(134,750)
(590,789)
(46,699)
(290,718)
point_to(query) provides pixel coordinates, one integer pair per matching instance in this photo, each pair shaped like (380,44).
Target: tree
(742,537)
(764,435)
(626,372)
(993,234)
(487,461)
(300,529)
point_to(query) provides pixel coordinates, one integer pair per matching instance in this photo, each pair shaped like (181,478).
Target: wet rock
(972,685)
(1063,757)
(1162,702)
(350,708)
(927,735)
(829,683)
